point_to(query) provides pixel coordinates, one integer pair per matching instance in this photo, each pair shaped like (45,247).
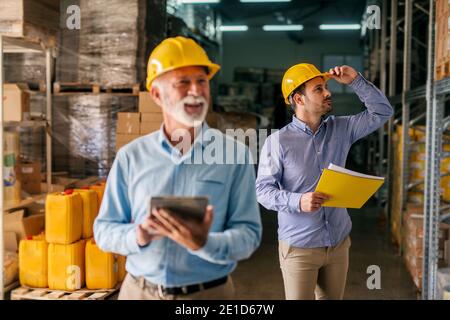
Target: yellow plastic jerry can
(100,189)
(101,267)
(66,270)
(63,217)
(33,262)
(121,262)
(90,211)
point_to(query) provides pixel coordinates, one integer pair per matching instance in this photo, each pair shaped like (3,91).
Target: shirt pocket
(213,187)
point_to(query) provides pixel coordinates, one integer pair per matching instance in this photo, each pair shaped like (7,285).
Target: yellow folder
(347,190)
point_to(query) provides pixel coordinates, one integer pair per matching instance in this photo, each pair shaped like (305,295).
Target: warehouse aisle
(260,276)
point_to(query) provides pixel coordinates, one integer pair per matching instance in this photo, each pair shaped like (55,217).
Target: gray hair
(156,83)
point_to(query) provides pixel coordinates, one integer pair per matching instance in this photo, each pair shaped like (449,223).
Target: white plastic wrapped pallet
(86,128)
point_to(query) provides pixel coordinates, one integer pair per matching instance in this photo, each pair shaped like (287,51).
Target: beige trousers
(318,273)
(133,289)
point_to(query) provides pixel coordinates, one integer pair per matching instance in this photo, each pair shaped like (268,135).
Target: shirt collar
(304,127)
(164,142)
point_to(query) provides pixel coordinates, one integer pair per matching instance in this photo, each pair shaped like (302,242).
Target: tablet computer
(187,208)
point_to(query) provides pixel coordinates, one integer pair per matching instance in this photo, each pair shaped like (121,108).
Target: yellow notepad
(347,189)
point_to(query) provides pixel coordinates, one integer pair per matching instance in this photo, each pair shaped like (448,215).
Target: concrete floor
(259,277)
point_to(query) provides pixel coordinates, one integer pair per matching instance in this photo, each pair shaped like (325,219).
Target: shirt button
(326,222)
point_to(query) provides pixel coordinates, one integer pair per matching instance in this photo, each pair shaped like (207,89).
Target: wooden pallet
(37,86)
(26,293)
(11,286)
(443,70)
(79,87)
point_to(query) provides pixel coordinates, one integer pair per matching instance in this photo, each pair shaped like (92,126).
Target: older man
(314,240)
(168,257)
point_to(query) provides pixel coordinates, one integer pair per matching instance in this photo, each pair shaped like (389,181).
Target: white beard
(182,116)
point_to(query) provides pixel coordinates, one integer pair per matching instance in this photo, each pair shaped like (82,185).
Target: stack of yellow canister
(67,257)
(11,156)
(63,231)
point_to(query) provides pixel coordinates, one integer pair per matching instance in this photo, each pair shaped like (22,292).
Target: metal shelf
(23,45)
(24,202)
(434,94)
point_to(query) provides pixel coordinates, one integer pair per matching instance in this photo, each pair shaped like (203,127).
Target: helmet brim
(324,75)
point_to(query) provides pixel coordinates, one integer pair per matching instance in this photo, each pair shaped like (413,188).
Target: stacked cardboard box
(151,114)
(413,240)
(131,125)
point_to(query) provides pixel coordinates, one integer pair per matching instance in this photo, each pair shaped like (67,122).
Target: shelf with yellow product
(24,202)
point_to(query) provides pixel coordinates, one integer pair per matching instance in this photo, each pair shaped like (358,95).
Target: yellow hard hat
(174,53)
(297,75)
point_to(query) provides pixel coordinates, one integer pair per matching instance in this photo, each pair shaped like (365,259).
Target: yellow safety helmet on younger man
(296,75)
(174,53)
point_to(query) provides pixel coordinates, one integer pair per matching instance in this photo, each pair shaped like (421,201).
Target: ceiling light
(286,27)
(233,28)
(340,27)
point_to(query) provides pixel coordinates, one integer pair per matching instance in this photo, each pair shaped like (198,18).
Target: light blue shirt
(292,161)
(144,168)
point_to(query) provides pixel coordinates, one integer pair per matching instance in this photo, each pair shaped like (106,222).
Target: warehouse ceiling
(296,11)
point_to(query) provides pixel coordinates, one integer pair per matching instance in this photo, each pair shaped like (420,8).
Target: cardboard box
(123,139)
(149,127)
(146,103)
(30,177)
(23,225)
(128,122)
(152,117)
(36,20)
(16,100)
(10,241)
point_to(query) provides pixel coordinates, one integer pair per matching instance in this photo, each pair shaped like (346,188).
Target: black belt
(190,288)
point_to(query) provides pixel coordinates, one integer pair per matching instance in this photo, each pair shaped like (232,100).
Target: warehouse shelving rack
(24,45)
(434,94)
